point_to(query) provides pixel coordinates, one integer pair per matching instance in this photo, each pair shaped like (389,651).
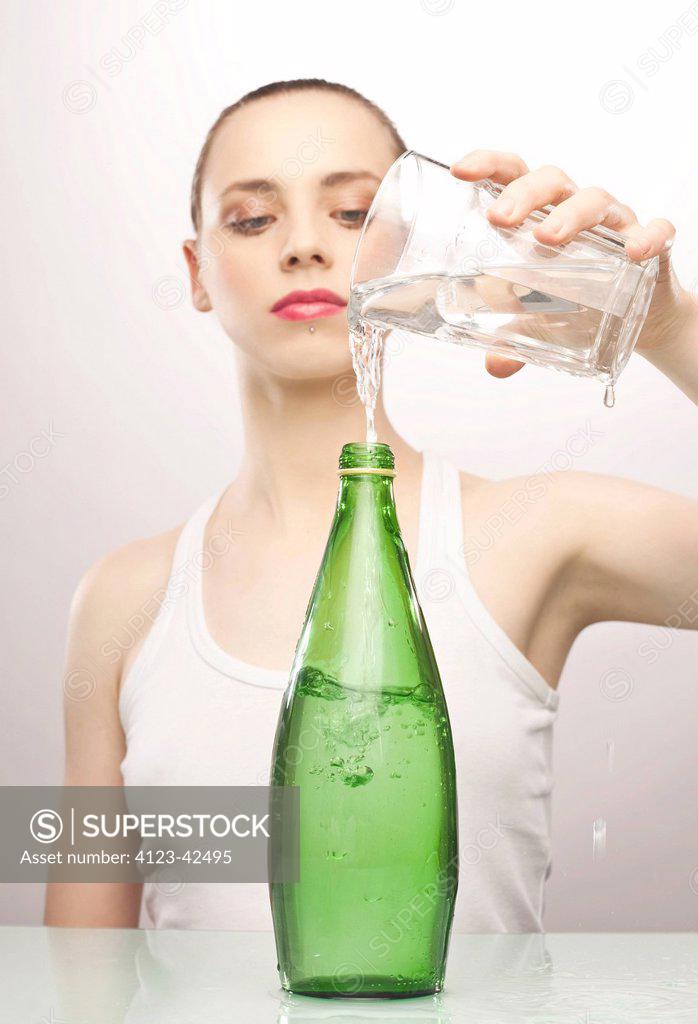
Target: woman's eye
(352,218)
(250,225)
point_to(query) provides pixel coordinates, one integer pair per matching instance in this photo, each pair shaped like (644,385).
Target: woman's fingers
(590,207)
(585,209)
(489,163)
(573,210)
(501,366)
(653,239)
(547,185)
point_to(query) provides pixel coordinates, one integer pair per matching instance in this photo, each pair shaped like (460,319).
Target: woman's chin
(313,355)
(313,350)
(315,370)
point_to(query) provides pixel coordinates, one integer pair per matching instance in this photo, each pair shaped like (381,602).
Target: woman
(281,188)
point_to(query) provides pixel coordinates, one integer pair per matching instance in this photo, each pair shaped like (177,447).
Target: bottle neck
(379,483)
(368,496)
(366,472)
(366,457)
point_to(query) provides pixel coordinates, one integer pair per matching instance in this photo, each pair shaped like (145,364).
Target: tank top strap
(180,589)
(444,570)
(187,562)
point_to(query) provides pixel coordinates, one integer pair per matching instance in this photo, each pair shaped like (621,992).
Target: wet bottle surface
(364,733)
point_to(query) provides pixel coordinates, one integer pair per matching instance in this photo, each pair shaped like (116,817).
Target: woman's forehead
(287,136)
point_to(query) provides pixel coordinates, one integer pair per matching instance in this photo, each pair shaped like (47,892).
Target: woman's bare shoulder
(132,570)
(535,517)
(561,510)
(545,491)
(120,595)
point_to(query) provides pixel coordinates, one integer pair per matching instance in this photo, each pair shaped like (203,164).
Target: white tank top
(194,715)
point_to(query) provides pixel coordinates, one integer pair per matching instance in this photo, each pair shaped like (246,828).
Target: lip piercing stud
(311,329)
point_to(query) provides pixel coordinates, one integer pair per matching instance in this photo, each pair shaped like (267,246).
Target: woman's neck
(293,434)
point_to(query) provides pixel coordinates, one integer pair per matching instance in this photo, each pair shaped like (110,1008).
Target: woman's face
(287,184)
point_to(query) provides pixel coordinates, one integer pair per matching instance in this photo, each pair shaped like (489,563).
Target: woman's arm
(634,548)
(636,551)
(677,356)
(94,739)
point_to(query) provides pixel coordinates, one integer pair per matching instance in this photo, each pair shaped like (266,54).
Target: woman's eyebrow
(341,177)
(253,185)
(270,184)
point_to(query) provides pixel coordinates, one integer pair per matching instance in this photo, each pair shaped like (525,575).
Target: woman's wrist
(676,353)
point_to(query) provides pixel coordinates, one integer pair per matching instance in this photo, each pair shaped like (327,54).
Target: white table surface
(101,976)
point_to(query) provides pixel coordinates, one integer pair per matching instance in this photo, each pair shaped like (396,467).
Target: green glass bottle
(364,732)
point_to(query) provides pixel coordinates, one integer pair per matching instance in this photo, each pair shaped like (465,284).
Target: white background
(100,343)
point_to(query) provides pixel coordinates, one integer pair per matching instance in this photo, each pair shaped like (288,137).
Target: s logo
(46,826)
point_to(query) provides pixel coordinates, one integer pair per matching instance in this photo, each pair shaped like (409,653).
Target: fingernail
(553,225)
(503,206)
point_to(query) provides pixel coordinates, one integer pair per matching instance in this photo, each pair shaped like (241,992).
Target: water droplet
(423,693)
(599,839)
(609,396)
(361,777)
(328,625)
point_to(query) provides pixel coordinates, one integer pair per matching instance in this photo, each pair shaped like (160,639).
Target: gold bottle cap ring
(371,470)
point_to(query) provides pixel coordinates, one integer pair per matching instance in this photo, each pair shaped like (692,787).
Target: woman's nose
(304,249)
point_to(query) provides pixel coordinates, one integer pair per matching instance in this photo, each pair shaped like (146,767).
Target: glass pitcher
(429,261)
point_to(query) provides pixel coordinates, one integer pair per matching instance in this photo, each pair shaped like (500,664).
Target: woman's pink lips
(308,305)
(308,310)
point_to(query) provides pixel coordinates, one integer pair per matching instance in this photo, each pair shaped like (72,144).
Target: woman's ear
(198,292)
